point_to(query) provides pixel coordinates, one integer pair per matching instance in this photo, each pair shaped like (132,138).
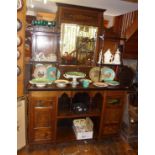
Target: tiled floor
(106,147)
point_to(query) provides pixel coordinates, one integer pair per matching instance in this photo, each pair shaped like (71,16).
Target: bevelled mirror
(77,44)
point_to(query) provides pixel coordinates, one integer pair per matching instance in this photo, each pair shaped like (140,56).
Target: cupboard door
(112,116)
(46,51)
(41,119)
(112,113)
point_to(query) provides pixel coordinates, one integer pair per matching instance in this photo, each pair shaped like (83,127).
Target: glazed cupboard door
(113,110)
(41,119)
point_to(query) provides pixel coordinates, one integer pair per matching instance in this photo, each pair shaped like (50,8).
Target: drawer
(43,134)
(110,129)
(112,115)
(43,102)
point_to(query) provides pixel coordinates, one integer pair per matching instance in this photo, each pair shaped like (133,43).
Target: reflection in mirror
(78,44)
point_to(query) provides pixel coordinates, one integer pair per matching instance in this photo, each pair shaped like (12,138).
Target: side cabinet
(41,119)
(112,112)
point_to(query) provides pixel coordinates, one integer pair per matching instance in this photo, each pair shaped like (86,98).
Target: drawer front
(110,129)
(43,117)
(113,115)
(112,101)
(43,102)
(43,134)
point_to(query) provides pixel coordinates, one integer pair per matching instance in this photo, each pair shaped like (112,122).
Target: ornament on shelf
(117,57)
(108,57)
(100,59)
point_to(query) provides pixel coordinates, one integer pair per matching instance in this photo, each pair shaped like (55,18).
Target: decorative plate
(19,4)
(112,83)
(51,73)
(107,74)
(19,41)
(18,54)
(40,71)
(100,84)
(94,74)
(18,70)
(19,24)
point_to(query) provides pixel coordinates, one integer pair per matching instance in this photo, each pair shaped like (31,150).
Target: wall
(110,20)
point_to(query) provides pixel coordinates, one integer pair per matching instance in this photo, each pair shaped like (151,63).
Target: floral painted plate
(100,84)
(40,71)
(53,73)
(94,74)
(107,74)
(112,83)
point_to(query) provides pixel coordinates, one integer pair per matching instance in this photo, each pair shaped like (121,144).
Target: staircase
(126,26)
(129,24)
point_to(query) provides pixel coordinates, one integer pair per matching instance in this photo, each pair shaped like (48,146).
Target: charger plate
(40,71)
(112,83)
(94,74)
(100,84)
(105,73)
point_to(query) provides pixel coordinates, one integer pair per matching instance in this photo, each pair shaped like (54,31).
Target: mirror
(77,44)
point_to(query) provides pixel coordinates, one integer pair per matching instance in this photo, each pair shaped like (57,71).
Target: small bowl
(61,83)
(40,82)
(40,85)
(81,80)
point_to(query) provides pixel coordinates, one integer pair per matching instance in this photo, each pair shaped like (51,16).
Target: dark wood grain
(105,147)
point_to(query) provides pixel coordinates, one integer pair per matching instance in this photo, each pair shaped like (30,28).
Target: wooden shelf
(66,133)
(44,62)
(70,114)
(109,64)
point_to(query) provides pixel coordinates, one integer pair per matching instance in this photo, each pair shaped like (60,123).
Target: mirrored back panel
(77,44)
